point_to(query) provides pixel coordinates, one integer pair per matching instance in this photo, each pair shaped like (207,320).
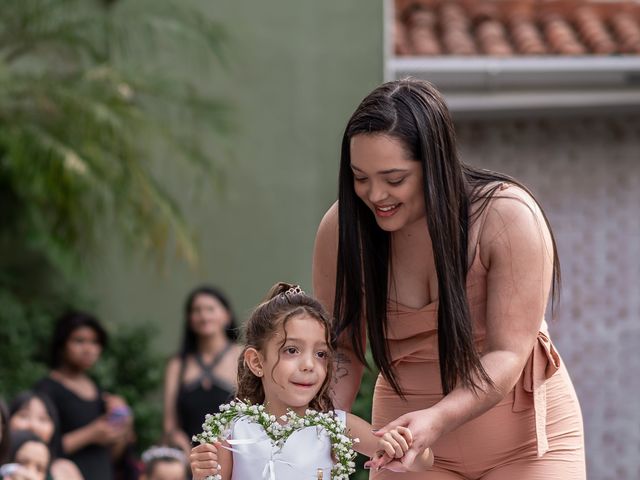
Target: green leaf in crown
(217,427)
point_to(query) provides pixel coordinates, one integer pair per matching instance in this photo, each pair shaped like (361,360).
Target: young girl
(30,457)
(164,463)
(285,369)
(34,412)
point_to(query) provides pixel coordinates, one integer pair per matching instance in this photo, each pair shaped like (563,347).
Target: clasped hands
(419,431)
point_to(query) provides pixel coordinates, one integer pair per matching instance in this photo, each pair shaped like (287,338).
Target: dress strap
(207,369)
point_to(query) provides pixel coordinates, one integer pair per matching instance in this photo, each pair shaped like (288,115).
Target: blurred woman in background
(203,375)
(95,426)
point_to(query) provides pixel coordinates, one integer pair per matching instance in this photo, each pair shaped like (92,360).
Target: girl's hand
(425,428)
(393,444)
(204,461)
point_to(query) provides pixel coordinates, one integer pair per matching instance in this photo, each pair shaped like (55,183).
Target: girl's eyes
(360,179)
(294,351)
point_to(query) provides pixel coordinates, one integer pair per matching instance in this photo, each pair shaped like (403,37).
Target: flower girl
(284,427)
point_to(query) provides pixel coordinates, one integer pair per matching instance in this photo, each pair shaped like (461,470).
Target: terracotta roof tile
(515,28)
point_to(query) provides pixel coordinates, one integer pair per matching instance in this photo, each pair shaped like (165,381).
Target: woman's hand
(21,474)
(425,428)
(106,433)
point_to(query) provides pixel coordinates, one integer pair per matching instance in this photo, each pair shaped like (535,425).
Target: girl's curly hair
(274,312)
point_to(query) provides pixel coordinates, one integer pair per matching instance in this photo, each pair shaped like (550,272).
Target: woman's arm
(516,248)
(173,434)
(347,369)
(99,432)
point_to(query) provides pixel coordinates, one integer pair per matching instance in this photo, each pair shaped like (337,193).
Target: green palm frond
(79,122)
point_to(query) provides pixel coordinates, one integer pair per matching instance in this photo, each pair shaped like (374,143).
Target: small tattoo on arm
(341,370)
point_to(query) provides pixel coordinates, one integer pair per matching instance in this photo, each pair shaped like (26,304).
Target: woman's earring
(259,373)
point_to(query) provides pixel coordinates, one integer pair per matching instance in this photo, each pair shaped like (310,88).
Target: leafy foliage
(80,123)
(87,108)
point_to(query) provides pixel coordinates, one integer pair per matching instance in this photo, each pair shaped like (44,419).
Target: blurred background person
(30,457)
(203,375)
(34,411)
(95,426)
(164,463)
(4,432)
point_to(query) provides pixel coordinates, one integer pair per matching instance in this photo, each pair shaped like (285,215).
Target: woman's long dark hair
(190,339)
(413,112)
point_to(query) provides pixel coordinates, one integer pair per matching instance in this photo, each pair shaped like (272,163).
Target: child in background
(164,463)
(285,369)
(29,459)
(4,432)
(34,411)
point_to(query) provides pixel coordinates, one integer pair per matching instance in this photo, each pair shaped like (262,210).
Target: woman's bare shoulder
(329,221)
(513,219)
(326,244)
(325,253)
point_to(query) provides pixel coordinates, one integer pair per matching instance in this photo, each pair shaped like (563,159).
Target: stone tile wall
(586,174)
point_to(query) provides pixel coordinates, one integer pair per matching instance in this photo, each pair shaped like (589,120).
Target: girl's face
(33,416)
(387,180)
(293,372)
(34,456)
(208,316)
(168,470)
(82,349)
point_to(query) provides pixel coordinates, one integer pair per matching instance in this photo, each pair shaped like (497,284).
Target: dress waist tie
(532,389)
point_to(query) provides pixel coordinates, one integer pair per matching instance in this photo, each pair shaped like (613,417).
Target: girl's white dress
(256,458)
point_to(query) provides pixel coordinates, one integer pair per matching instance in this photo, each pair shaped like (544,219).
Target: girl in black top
(203,375)
(95,426)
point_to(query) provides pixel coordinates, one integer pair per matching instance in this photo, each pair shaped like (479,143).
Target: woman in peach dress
(446,269)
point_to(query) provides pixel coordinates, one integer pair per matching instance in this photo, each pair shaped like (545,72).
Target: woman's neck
(212,345)
(69,372)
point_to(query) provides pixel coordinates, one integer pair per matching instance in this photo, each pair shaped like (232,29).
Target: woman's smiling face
(387,180)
